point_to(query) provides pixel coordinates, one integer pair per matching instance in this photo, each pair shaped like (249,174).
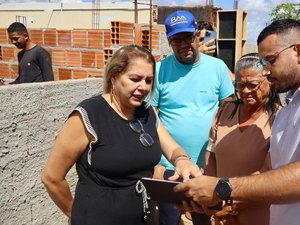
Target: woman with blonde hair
(114,139)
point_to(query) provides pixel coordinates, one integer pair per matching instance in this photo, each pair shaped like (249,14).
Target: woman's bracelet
(181,157)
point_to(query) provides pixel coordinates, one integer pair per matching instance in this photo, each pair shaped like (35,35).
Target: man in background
(34,61)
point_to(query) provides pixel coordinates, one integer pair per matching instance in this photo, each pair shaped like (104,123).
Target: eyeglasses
(145,138)
(251,85)
(188,39)
(270,59)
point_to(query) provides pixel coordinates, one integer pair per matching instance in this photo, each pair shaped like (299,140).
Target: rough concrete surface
(30,118)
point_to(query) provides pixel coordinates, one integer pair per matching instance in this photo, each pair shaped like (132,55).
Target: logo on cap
(179,19)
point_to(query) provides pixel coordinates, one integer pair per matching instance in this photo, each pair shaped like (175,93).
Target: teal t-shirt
(187,97)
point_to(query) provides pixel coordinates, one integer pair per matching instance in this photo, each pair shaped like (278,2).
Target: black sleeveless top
(111,166)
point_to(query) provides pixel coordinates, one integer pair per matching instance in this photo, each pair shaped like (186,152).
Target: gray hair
(272,103)
(250,60)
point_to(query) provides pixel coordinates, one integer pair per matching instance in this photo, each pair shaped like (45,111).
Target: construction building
(81,37)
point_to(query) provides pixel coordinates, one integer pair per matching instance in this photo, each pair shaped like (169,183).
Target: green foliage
(286,11)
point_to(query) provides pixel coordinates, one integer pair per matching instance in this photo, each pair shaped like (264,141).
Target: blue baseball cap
(179,22)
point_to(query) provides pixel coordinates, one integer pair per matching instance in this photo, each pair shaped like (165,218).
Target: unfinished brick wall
(80,53)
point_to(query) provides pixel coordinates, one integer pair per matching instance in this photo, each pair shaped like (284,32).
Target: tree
(286,11)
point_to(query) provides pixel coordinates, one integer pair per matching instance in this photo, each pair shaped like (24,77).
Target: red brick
(137,34)
(65,74)
(13,70)
(79,74)
(107,55)
(64,38)
(123,42)
(73,58)
(80,38)
(58,57)
(88,59)
(36,36)
(95,73)
(50,38)
(8,54)
(120,24)
(99,60)
(122,36)
(95,38)
(3,36)
(4,70)
(106,37)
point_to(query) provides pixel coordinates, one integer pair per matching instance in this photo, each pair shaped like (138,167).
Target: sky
(258,11)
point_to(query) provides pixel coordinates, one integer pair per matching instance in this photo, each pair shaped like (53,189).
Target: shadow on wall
(31,116)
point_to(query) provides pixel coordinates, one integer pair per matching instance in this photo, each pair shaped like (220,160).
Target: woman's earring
(112,92)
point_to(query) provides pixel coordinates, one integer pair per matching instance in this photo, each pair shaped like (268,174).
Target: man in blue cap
(190,87)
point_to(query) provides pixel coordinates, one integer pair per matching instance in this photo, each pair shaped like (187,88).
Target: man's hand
(207,48)
(202,191)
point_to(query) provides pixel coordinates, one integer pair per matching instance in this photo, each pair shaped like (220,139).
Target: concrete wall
(30,118)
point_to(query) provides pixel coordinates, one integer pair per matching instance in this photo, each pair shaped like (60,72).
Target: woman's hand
(186,169)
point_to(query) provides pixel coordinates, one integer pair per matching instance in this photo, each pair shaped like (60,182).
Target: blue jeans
(168,215)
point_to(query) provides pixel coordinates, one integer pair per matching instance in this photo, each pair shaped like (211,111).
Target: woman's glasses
(145,138)
(251,85)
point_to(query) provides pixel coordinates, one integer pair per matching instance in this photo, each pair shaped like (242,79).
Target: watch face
(223,190)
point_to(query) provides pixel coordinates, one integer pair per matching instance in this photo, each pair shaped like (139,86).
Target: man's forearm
(279,186)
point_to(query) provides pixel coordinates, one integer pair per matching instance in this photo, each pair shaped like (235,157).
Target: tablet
(162,190)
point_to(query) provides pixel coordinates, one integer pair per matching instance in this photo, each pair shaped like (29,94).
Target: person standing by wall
(34,61)
(190,87)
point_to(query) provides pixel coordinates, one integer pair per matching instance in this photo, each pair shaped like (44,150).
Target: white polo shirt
(285,149)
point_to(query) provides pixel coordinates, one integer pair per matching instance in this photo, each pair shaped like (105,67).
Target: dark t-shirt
(106,191)
(34,66)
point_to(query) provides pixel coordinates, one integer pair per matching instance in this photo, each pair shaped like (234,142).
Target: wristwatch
(224,189)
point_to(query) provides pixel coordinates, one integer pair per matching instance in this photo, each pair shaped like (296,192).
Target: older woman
(239,138)
(114,139)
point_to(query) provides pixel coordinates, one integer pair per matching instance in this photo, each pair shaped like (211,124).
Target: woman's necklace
(127,115)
